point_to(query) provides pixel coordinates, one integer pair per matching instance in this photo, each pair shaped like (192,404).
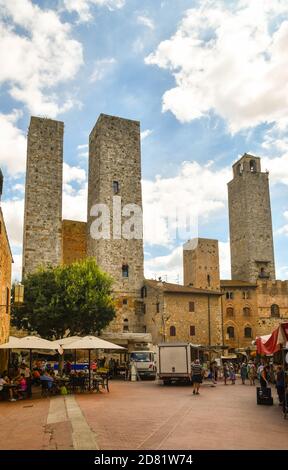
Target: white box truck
(144,362)
(174,362)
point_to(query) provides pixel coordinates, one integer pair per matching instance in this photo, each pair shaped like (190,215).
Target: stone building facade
(251,238)
(42,239)
(179,313)
(74,241)
(6,261)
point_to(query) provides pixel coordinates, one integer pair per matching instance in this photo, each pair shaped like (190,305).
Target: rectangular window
(191,306)
(125,270)
(157,307)
(115,187)
(192,330)
(125,301)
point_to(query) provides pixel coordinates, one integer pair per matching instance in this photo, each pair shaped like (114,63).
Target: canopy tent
(269,344)
(90,342)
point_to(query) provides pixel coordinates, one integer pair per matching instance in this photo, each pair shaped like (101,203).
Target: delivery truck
(174,362)
(144,362)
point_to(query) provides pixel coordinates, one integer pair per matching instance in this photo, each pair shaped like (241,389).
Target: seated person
(47,378)
(22,387)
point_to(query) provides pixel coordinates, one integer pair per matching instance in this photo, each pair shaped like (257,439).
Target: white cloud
(231,59)
(12,144)
(17,267)
(145,134)
(39,53)
(101,68)
(83,7)
(75,204)
(73,173)
(188,194)
(13,211)
(145,21)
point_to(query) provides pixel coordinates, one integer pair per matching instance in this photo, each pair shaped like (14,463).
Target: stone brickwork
(240,313)
(114,173)
(272,299)
(251,239)
(42,243)
(5,288)
(74,241)
(201,264)
(184,308)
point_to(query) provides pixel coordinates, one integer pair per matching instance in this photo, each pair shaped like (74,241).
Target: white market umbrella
(91,342)
(13,343)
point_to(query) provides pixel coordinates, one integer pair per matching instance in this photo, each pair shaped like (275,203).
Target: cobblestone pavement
(145,415)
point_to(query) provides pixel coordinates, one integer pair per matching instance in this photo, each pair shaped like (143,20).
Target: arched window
(248,332)
(246,312)
(252,166)
(275,311)
(230,312)
(126,325)
(230,332)
(172,331)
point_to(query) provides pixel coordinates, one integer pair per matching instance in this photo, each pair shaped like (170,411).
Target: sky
(208,80)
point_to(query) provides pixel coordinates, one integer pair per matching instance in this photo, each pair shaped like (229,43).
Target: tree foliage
(75,299)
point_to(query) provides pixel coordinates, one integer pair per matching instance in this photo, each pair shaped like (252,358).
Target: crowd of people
(250,371)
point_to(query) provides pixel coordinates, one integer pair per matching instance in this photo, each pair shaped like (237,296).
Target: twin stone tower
(115,170)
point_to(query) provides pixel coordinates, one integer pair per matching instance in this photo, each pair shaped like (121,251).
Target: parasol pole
(89,361)
(30,351)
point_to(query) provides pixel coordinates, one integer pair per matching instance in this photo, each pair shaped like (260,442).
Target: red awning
(271,344)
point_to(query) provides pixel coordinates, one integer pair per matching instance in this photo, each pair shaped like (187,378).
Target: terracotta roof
(3,222)
(235,283)
(178,289)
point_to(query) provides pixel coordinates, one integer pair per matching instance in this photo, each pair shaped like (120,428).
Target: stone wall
(42,243)
(74,242)
(164,309)
(240,311)
(115,180)
(251,238)
(5,289)
(271,293)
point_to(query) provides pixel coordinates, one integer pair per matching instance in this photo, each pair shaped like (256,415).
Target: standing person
(226,373)
(27,374)
(243,372)
(232,373)
(264,377)
(197,370)
(251,373)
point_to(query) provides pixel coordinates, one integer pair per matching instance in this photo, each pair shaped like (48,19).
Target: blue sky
(207,81)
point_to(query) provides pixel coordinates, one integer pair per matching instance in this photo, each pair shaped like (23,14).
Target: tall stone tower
(43,195)
(251,238)
(201,263)
(115,181)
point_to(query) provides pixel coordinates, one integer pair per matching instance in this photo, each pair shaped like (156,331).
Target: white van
(144,362)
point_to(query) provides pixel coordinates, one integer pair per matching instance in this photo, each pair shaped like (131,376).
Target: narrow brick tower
(251,237)
(43,195)
(115,183)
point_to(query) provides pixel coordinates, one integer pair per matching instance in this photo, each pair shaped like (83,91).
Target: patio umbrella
(90,342)
(12,343)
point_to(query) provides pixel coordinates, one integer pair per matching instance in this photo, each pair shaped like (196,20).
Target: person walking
(251,372)
(232,373)
(243,372)
(226,373)
(280,384)
(197,373)
(264,377)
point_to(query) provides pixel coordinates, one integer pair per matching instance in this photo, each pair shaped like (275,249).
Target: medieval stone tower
(201,264)
(251,238)
(115,181)
(43,195)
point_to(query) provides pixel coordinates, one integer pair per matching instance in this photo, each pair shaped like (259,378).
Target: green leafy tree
(74,299)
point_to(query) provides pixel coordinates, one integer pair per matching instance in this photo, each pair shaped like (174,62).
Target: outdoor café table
(100,380)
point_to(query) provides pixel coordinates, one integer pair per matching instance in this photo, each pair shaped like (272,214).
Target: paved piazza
(145,415)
